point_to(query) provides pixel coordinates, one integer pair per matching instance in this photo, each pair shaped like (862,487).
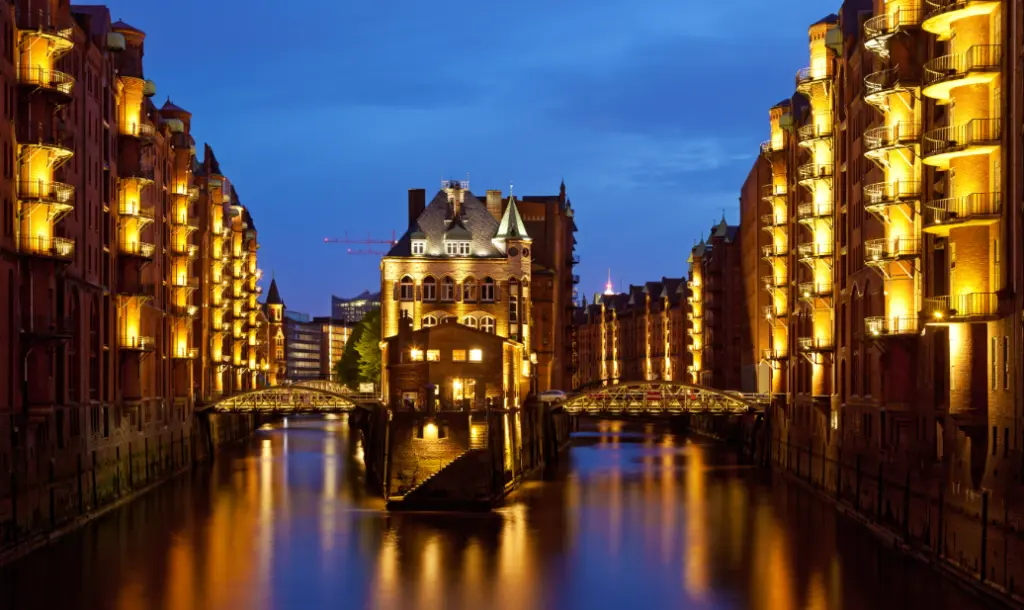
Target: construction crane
(368,241)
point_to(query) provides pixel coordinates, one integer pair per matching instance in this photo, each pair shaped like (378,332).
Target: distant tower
(608,290)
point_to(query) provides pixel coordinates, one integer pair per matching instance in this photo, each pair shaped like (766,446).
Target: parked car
(552,396)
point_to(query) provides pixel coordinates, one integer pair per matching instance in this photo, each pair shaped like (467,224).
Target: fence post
(984,534)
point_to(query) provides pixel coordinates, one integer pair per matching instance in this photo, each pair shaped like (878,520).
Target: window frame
(429,289)
(419,247)
(403,284)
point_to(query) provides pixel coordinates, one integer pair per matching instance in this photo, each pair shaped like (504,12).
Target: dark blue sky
(325,113)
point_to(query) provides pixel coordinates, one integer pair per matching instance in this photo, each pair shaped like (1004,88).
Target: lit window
(487,324)
(469,321)
(487,290)
(433,355)
(447,289)
(476,355)
(468,290)
(419,247)
(416,355)
(456,248)
(458,355)
(429,320)
(405,292)
(430,289)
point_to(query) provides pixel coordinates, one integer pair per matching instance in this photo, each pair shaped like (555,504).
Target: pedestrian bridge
(318,396)
(657,398)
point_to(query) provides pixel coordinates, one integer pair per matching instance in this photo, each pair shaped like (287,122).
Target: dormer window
(456,248)
(419,247)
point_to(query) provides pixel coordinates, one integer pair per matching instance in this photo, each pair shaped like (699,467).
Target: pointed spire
(511,225)
(273,295)
(608,288)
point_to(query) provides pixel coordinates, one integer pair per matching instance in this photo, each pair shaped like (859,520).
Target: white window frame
(470,321)
(488,324)
(430,295)
(419,247)
(447,289)
(487,290)
(429,321)
(403,286)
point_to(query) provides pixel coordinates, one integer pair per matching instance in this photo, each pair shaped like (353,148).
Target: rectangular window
(419,247)
(416,355)
(451,248)
(458,355)
(476,355)
(995,439)
(433,355)
(464,248)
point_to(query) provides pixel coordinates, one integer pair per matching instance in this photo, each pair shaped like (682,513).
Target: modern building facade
(455,290)
(101,360)
(352,311)
(302,340)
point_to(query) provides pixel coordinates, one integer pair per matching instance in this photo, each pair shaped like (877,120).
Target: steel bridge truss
(656,398)
(287,399)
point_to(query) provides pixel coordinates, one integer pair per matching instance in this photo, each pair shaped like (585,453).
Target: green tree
(350,368)
(368,347)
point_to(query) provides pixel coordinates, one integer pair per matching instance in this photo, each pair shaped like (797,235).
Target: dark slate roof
(209,157)
(828,19)
(273,296)
(433,223)
(783,104)
(670,288)
(457,230)
(121,25)
(170,106)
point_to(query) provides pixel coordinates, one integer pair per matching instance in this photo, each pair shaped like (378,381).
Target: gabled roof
(457,231)
(827,19)
(120,25)
(433,224)
(170,106)
(511,226)
(273,296)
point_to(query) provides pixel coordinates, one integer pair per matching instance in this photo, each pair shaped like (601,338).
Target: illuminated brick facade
(100,355)
(466,261)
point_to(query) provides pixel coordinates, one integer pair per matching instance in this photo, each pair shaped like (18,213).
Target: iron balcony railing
(810,75)
(137,248)
(49,247)
(979,58)
(768,147)
(183,311)
(774,281)
(140,172)
(46,191)
(778,353)
(137,343)
(770,221)
(186,353)
(189,250)
(936,8)
(887,24)
(50,80)
(135,211)
(815,131)
(814,171)
(891,193)
(773,250)
(963,209)
(770,191)
(770,311)
(975,132)
(143,131)
(815,289)
(815,344)
(46,325)
(814,250)
(881,83)
(812,211)
(891,248)
(892,325)
(961,306)
(904,133)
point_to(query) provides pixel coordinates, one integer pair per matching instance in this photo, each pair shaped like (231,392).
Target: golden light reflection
(696,579)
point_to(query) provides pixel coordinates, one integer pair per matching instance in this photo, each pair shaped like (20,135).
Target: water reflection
(640,517)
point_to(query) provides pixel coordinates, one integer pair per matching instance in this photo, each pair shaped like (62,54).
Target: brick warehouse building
(104,241)
(892,275)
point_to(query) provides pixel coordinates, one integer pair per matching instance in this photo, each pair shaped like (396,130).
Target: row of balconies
(936,17)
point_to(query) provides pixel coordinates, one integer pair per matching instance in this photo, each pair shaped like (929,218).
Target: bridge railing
(659,397)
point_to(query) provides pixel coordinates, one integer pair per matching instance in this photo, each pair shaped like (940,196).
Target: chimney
(417,201)
(494,204)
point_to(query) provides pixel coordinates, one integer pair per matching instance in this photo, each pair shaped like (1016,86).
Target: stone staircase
(435,487)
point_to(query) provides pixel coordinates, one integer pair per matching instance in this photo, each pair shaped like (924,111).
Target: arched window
(469,290)
(470,321)
(487,290)
(405,289)
(487,324)
(447,289)
(429,289)
(513,300)
(429,320)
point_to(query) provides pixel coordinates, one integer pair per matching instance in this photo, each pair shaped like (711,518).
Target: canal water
(638,518)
